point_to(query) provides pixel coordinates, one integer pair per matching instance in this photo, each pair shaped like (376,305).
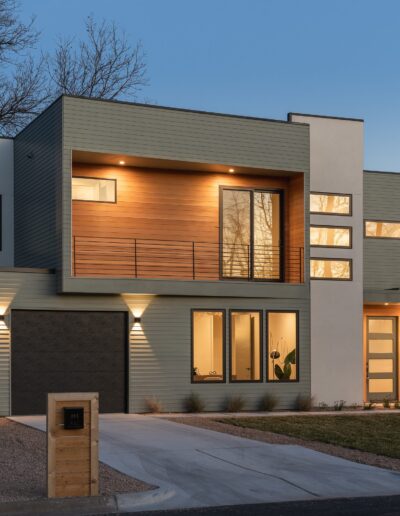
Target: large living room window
(382,229)
(251,234)
(245,346)
(282,329)
(331,269)
(208,345)
(330,204)
(330,236)
(93,189)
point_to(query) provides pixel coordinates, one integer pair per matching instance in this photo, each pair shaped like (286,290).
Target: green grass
(378,433)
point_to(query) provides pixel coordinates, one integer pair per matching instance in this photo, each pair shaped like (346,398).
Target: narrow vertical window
(208,346)
(282,346)
(245,348)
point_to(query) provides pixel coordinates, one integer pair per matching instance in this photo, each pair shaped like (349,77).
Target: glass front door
(381,358)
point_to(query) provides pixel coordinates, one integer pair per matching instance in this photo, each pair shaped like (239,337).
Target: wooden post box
(72,444)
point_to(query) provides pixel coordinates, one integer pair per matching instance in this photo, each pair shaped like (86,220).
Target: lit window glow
(208,343)
(331,204)
(321,268)
(91,189)
(330,236)
(378,229)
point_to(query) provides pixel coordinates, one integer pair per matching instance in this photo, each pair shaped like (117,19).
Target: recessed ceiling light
(122,162)
(231,170)
(386,304)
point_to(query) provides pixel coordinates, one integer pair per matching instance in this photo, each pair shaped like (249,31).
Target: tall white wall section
(7,202)
(336,166)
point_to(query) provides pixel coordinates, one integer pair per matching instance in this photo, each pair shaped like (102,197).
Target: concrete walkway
(195,467)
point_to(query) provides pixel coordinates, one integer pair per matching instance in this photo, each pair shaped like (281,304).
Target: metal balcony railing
(185,260)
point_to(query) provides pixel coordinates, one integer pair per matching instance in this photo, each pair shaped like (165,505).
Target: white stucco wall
(7,195)
(337,306)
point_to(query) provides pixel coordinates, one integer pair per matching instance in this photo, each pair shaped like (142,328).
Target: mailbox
(73,418)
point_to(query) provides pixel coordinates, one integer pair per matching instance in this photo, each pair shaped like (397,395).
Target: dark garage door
(55,351)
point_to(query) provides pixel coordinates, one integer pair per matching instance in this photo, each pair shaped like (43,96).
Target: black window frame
(247,310)
(282,221)
(333,226)
(218,310)
(285,311)
(100,179)
(334,214)
(384,222)
(325,259)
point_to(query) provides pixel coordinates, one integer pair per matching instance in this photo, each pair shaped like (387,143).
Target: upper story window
(331,269)
(251,234)
(330,203)
(330,236)
(382,229)
(94,189)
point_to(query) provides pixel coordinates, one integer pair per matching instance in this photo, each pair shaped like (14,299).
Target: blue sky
(261,57)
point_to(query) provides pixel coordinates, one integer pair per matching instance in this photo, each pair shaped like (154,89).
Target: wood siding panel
(173,209)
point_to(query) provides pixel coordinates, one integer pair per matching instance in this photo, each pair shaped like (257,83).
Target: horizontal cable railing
(176,259)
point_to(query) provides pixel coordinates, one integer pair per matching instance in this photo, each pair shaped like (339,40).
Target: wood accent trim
(72,455)
(175,205)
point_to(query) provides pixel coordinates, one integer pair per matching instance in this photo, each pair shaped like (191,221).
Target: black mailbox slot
(73,418)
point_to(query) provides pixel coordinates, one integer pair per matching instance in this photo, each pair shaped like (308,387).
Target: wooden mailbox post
(72,444)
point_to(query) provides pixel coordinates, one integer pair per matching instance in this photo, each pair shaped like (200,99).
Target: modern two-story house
(152,252)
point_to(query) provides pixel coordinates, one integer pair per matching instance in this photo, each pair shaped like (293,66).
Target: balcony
(112,257)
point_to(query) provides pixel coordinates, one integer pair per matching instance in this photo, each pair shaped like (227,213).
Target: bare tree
(23,91)
(104,65)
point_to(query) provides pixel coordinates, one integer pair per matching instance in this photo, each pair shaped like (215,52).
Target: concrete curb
(85,506)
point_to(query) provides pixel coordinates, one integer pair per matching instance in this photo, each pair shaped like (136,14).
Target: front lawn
(378,433)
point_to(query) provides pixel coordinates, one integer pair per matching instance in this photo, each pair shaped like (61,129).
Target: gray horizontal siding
(160,354)
(381,256)
(147,131)
(37,191)
(160,357)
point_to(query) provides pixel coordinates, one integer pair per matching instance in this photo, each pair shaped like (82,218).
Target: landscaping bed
(369,439)
(23,466)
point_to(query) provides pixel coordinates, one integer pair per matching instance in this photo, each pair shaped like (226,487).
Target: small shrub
(322,405)
(386,403)
(234,404)
(268,402)
(396,405)
(153,405)
(338,405)
(353,406)
(368,406)
(304,403)
(193,403)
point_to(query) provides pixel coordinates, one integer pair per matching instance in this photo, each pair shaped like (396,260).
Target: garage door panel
(59,361)
(68,352)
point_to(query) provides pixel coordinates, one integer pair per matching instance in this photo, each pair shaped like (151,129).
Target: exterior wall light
(2,317)
(137,320)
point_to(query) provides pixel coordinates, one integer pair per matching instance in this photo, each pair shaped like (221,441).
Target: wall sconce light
(137,320)
(2,317)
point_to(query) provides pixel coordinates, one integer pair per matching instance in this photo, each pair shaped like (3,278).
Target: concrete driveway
(194,467)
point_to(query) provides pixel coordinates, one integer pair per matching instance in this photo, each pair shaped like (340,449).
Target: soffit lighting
(386,304)
(122,162)
(231,170)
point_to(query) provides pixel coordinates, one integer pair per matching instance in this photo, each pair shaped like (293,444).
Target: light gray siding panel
(160,354)
(37,188)
(381,256)
(147,131)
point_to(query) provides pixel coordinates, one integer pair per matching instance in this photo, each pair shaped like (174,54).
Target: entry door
(381,358)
